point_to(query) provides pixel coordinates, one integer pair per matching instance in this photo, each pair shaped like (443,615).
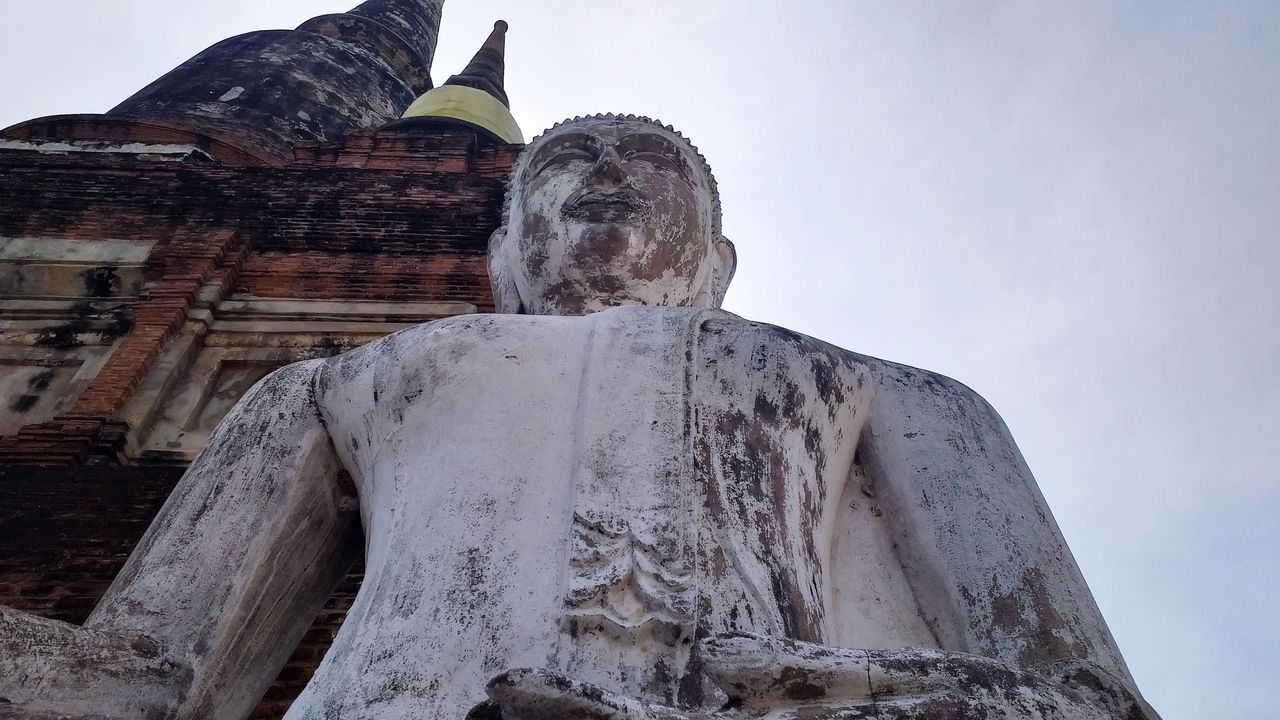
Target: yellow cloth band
(468,105)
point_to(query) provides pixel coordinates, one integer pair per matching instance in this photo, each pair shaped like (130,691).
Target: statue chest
(597,491)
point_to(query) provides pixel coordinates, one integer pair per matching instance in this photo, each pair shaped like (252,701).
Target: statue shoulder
(908,387)
(801,370)
(288,387)
(897,385)
(926,412)
(440,343)
(719,323)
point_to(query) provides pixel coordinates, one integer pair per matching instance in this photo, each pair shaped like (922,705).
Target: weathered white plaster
(60,268)
(50,349)
(78,250)
(627,504)
(152,151)
(36,384)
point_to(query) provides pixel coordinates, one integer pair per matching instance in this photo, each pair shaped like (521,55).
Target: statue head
(609,210)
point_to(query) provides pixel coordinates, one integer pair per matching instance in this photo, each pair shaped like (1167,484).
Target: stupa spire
(485,71)
(474,97)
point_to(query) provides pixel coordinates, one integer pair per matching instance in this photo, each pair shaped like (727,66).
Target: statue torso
(593,495)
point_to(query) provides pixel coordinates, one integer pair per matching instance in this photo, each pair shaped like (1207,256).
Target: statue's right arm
(221,588)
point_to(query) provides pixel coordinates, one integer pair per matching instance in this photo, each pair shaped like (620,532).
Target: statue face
(610,212)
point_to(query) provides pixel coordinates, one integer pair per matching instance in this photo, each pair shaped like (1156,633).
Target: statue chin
(585,294)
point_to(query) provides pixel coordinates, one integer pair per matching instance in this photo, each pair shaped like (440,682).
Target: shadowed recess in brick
(66,532)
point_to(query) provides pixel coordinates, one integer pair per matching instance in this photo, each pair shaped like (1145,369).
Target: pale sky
(1074,208)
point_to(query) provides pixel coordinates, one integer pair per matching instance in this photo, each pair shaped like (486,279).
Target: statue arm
(986,561)
(222,586)
(1017,631)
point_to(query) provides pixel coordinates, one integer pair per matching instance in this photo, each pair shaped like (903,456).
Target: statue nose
(608,168)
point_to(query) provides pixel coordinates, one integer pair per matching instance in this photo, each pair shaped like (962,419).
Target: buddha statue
(611,499)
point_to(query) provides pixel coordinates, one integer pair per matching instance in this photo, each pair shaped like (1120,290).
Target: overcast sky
(1074,208)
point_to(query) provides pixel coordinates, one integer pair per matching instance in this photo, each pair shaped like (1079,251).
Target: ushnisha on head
(610,210)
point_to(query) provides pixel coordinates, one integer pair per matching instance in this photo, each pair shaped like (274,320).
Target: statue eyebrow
(581,140)
(638,140)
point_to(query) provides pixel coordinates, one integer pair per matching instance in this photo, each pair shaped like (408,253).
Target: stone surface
(625,503)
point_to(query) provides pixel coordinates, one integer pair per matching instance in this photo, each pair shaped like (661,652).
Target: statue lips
(607,206)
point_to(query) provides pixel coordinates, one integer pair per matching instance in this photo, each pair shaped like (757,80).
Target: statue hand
(788,679)
(51,669)
(546,695)
(778,679)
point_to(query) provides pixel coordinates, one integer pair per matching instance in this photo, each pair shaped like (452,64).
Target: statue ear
(506,298)
(723,265)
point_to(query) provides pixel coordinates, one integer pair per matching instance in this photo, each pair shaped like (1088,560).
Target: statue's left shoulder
(894,384)
(787,362)
(909,391)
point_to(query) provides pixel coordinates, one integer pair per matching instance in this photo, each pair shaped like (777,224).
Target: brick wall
(366,276)
(66,532)
(385,216)
(338,209)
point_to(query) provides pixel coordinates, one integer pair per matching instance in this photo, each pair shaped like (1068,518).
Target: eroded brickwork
(66,532)
(346,223)
(361,276)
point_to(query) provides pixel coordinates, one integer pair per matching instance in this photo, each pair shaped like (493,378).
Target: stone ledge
(242,308)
